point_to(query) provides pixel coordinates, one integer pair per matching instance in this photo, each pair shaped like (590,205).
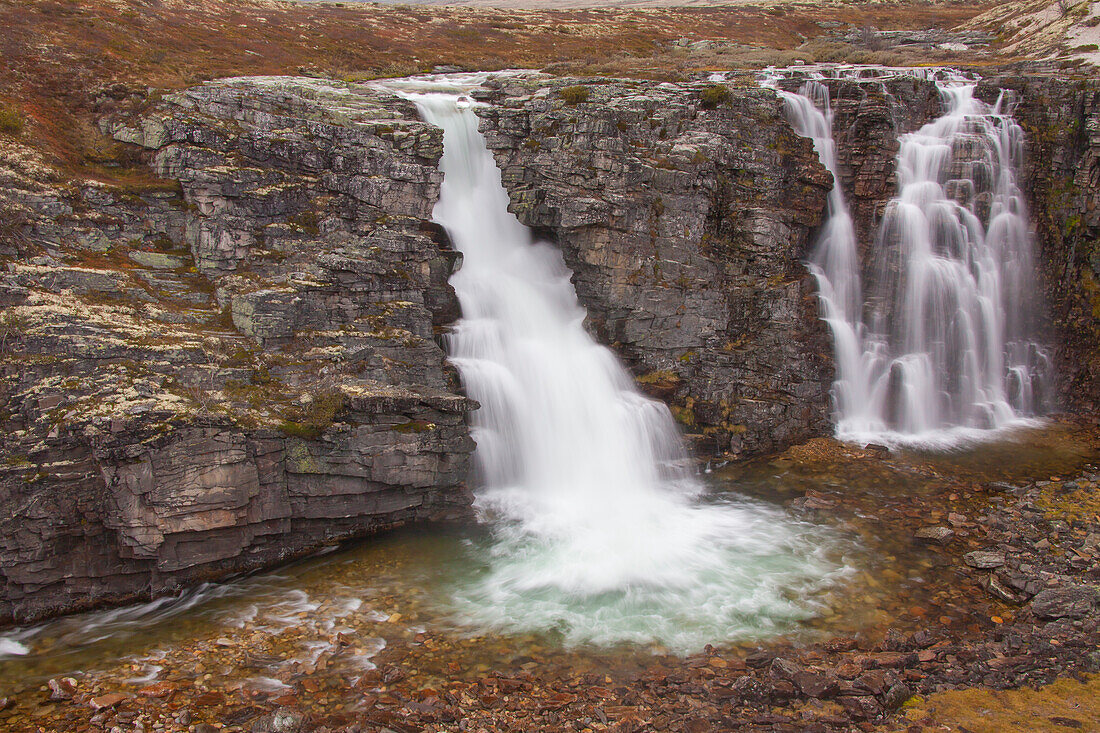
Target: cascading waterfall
(599,527)
(945,346)
(834,261)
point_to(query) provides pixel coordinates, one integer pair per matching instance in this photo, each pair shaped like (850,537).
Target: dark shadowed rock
(1055,603)
(936,535)
(984,560)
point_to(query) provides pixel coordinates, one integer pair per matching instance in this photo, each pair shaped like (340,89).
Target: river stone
(816,684)
(997,588)
(896,696)
(280,721)
(938,535)
(984,560)
(783,668)
(61,688)
(1055,603)
(107,701)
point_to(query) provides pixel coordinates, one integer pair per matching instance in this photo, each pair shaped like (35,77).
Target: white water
(600,530)
(945,346)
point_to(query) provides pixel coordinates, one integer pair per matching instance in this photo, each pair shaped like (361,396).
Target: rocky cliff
(238,361)
(1061,118)
(684,211)
(230,367)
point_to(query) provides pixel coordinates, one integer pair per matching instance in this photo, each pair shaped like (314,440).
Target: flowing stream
(943,344)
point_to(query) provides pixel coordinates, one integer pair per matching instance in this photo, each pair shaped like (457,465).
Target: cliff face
(684,222)
(238,366)
(238,362)
(1061,118)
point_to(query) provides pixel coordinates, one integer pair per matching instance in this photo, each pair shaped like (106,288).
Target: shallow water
(443,578)
(417,598)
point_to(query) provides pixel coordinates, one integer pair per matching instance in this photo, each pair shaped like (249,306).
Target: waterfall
(945,345)
(600,528)
(834,261)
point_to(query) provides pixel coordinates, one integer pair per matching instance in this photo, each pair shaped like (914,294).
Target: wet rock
(784,669)
(937,535)
(890,660)
(849,671)
(61,688)
(701,302)
(279,721)
(984,560)
(750,689)
(815,684)
(157,690)
(107,701)
(1056,603)
(896,696)
(873,682)
(998,588)
(860,708)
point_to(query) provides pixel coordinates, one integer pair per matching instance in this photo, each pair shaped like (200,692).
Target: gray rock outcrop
(235,364)
(685,223)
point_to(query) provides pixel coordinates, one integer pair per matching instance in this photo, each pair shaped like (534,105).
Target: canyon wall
(1061,177)
(684,218)
(238,361)
(231,366)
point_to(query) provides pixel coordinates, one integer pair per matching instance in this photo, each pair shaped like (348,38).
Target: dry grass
(1062,706)
(68,61)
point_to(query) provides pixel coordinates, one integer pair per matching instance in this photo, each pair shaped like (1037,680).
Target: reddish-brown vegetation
(64,61)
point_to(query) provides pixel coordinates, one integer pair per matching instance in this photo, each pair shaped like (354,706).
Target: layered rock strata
(685,218)
(233,365)
(238,361)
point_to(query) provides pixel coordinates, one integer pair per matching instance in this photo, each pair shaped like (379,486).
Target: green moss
(12,328)
(414,426)
(1057,503)
(714,95)
(300,430)
(311,420)
(658,377)
(309,221)
(575,94)
(684,415)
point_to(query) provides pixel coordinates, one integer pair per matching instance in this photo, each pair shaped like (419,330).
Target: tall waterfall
(946,342)
(599,527)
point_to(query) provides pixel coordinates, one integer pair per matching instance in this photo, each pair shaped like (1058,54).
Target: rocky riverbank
(1003,594)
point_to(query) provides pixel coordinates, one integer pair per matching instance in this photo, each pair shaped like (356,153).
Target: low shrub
(714,95)
(11,121)
(575,94)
